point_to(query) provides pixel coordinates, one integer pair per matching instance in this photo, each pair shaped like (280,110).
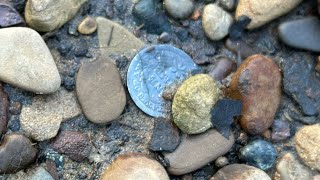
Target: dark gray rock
(303,33)
(4,105)
(165,136)
(9,16)
(222,68)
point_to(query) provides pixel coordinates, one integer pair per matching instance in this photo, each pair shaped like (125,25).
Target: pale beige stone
(87,26)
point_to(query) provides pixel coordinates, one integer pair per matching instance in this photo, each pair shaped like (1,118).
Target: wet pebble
(87,26)
(302,33)
(38,72)
(289,167)
(41,120)
(134,166)
(164,37)
(165,136)
(223,67)
(195,151)
(261,13)
(280,130)
(179,9)
(216,22)
(41,174)
(74,144)
(100,91)
(240,172)
(193,102)
(9,16)
(259,153)
(49,15)
(16,152)
(307,141)
(257,83)
(4,106)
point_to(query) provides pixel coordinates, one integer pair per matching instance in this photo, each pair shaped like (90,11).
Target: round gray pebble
(180,9)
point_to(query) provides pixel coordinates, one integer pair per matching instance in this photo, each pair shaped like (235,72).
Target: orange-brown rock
(134,166)
(257,83)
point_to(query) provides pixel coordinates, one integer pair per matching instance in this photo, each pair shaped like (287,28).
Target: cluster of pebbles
(248,110)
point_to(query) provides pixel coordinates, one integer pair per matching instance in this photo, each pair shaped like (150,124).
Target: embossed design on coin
(151,70)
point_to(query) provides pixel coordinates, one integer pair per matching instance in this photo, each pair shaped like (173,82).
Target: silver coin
(153,69)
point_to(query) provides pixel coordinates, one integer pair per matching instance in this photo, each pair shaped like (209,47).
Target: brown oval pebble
(240,172)
(223,68)
(87,26)
(307,142)
(4,105)
(134,166)
(73,144)
(257,83)
(100,91)
(16,152)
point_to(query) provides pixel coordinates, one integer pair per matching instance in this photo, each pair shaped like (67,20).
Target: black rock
(9,16)
(303,33)
(300,82)
(259,153)
(165,136)
(148,14)
(223,113)
(237,28)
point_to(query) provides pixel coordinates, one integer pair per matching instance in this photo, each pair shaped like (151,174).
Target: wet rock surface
(16,152)
(4,107)
(9,16)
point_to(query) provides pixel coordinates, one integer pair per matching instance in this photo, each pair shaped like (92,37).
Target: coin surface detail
(151,71)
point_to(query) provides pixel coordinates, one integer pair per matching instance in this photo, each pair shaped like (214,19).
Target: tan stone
(134,166)
(262,12)
(257,83)
(87,26)
(307,142)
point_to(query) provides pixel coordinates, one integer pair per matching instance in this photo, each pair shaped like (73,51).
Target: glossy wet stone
(223,114)
(302,33)
(4,107)
(193,102)
(100,91)
(259,153)
(179,9)
(240,172)
(196,151)
(9,16)
(257,83)
(165,137)
(307,141)
(280,130)
(16,152)
(134,166)
(74,144)
(223,67)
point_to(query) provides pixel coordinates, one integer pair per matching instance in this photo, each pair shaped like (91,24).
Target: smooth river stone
(9,16)
(26,62)
(195,151)
(4,109)
(257,83)
(303,33)
(100,91)
(262,12)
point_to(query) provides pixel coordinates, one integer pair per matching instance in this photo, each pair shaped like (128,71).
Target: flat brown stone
(257,83)
(4,105)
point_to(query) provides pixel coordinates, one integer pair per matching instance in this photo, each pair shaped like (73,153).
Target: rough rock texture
(16,152)
(193,102)
(49,15)
(196,151)
(262,12)
(134,166)
(26,62)
(307,142)
(74,144)
(257,82)
(240,172)
(41,174)
(114,38)
(9,16)
(87,26)
(4,107)
(289,167)
(216,22)
(41,120)
(100,91)
(179,9)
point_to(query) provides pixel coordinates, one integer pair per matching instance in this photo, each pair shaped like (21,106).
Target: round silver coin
(153,69)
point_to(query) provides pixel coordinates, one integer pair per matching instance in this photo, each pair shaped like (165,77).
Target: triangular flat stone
(303,33)
(26,62)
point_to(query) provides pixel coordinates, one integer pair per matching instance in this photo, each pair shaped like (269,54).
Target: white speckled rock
(262,12)
(216,22)
(41,120)
(26,62)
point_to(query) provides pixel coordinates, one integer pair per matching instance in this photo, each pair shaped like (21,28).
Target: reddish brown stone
(196,14)
(52,169)
(257,82)
(4,104)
